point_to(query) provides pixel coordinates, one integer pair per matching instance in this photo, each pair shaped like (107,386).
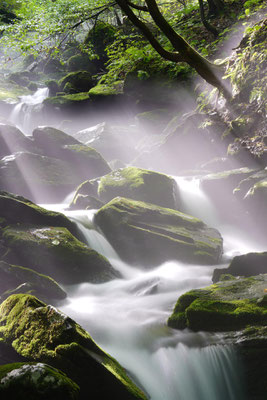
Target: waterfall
(21,115)
(127,317)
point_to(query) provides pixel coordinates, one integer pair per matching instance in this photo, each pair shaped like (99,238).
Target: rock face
(41,240)
(55,252)
(47,167)
(36,381)
(147,235)
(225,306)
(139,184)
(41,333)
(12,140)
(13,277)
(246,265)
(37,177)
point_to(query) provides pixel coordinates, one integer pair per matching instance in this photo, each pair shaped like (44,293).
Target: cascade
(21,115)
(127,317)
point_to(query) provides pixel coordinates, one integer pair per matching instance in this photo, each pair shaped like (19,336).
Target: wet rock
(85,162)
(55,252)
(83,202)
(110,140)
(41,333)
(36,381)
(147,235)
(40,178)
(13,140)
(139,184)
(80,62)
(246,265)
(73,102)
(24,280)
(80,81)
(225,306)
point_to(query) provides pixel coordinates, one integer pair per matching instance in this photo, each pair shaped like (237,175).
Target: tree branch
(136,7)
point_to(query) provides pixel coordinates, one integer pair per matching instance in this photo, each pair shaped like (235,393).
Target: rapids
(127,317)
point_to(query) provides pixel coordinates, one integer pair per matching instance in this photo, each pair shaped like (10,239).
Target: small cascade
(127,317)
(21,115)
(194,201)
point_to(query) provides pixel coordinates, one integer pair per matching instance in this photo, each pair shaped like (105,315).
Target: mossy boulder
(80,62)
(13,276)
(100,36)
(153,122)
(83,202)
(41,333)
(245,265)
(36,381)
(55,252)
(146,235)
(225,306)
(40,178)
(13,140)
(53,87)
(81,81)
(85,162)
(113,142)
(139,184)
(108,95)
(22,78)
(68,101)
(19,210)
(53,66)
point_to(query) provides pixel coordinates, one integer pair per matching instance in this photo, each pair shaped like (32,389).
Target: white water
(127,317)
(21,115)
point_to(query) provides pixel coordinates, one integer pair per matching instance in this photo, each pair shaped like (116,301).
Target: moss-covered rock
(83,202)
(139,184)
(81,62)
(100,36)
(40,178)
(113,142)
(246,265)
(85,162)
(19,210)
(109,95)
(36,381)
(225,306)
(13,140)
(147,235)
(81,81)
(55,252)
(153,121)
(12,276)
(68,101)
(41,333)
(53,65)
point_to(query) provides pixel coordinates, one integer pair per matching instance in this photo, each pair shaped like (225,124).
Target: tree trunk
(207,25)
(183,51)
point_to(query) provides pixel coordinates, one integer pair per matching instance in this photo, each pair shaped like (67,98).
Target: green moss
(138,184)
(42,333)
(67,100)
(102,91)
(56,252)
(81,81)
(147,234)
(36,381)
(229,305)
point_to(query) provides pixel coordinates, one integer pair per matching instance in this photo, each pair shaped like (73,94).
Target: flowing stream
(127,317)
(22,114)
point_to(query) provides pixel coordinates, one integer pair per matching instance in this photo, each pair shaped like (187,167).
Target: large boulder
(78,81)
(245,265)
(139,184)
(225,306)
(85,162)
(40,178)
(19,210)
(68,102)
(55,252)
(36,381)
(41,333)
(21,279)
(113,142)
(13,140)
(147,235)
